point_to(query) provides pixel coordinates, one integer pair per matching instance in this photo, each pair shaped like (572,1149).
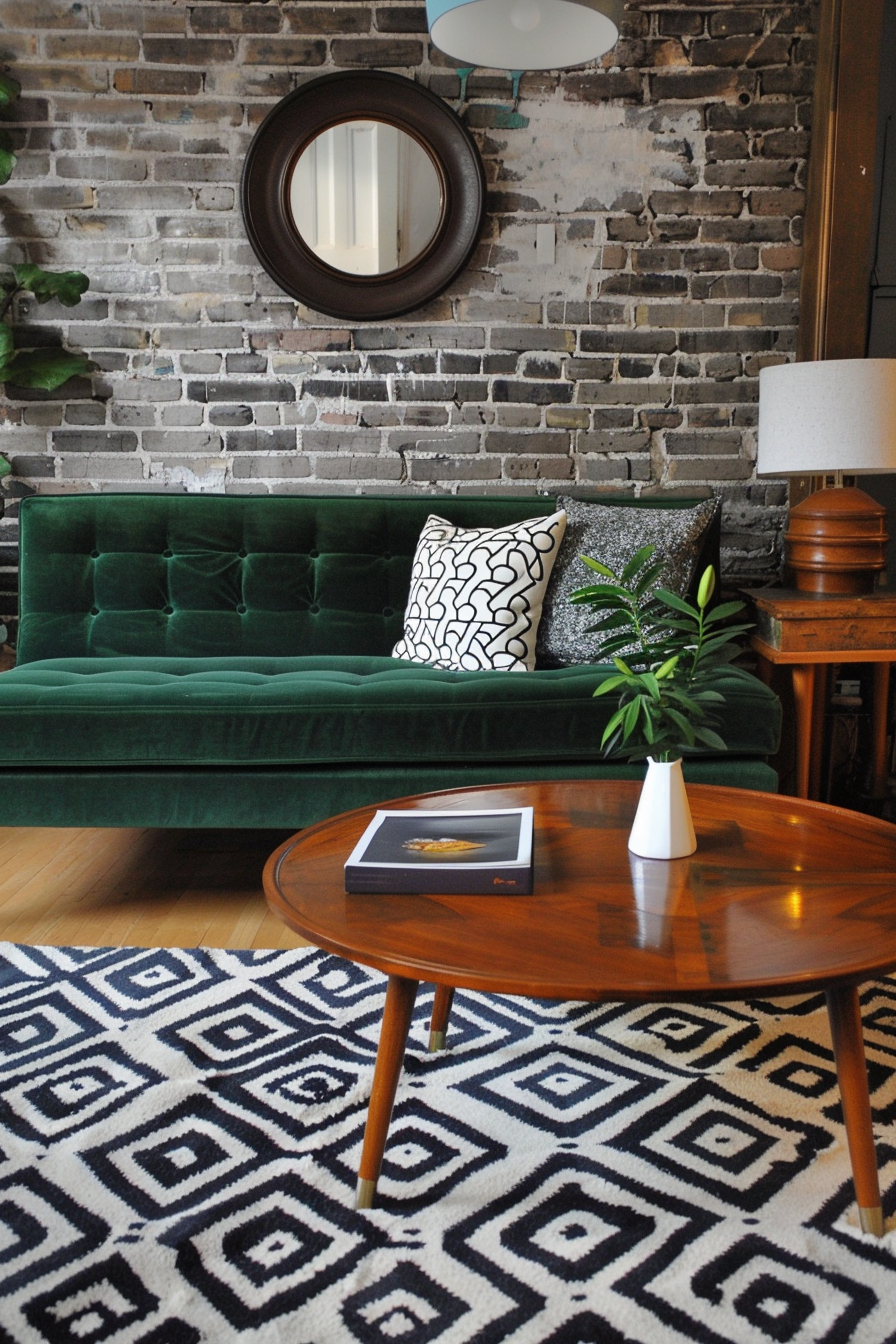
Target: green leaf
(740,673)
(732,631)
(617,621)
(609,742)
(720,658)
(632,711)
(686,627)
(45,368)
(623,667)
(683,699)
(7,158)
(638,559)
(723,611)
(709,738)
(608,647)
(66,286)
(598,628)
(597,567)
(647,580)
(687,729)
(606,637)
(652,684)
(667,668)
(5,467)
(9,90)
(614,723)
(603,610)
(6,349)
(677,603)
(717,641)
(602,591)
(611,684)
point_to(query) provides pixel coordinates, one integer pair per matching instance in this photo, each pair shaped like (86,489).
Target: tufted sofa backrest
(216,575)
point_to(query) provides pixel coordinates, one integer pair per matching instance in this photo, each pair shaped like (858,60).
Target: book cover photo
(464,853)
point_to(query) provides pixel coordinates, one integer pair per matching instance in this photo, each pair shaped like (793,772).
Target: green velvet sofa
(206,660)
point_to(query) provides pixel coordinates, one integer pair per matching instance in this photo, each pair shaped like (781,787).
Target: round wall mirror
(363,195)
(366,197)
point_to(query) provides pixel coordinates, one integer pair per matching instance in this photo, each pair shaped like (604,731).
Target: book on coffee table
(484,853)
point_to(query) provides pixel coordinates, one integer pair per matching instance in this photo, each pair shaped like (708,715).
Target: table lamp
(830,417)
(524,34)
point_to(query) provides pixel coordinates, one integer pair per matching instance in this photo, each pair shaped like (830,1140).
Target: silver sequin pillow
(612,534)
(476,594)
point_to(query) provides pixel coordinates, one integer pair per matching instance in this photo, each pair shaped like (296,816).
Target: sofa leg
(441,1010)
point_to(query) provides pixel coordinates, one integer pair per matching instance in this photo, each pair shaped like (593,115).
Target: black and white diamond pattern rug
(180,1132)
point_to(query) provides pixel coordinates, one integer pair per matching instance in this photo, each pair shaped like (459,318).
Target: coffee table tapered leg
(441,1010)
(849,1052)
(400,997)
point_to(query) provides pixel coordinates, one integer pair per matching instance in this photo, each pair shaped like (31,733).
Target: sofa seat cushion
(286,711)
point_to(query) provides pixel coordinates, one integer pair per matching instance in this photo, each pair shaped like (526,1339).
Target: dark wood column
(837,257)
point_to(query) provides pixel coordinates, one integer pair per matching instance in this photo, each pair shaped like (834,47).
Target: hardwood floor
(139,888)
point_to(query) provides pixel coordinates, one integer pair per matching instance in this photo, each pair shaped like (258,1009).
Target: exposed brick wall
(673,172)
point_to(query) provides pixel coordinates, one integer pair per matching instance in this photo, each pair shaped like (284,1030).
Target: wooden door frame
(838,241)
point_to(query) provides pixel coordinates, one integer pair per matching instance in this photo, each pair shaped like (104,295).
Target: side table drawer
(806,623)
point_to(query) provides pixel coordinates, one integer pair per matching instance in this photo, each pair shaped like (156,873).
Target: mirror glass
(365,197)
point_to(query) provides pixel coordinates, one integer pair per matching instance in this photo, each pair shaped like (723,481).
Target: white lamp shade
(524,34)
(827,415)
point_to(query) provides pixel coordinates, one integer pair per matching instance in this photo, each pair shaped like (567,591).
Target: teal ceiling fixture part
(524,34)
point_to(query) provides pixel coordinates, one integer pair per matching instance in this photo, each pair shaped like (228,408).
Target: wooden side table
(809,631)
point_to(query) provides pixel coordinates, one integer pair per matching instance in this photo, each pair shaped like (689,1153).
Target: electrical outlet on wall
(545,244)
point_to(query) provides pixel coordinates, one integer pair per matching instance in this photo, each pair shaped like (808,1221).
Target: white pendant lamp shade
(524,34)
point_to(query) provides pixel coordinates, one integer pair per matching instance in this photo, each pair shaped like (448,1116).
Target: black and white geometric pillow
(476,594)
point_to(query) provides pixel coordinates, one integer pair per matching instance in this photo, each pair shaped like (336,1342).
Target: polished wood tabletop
(782,895)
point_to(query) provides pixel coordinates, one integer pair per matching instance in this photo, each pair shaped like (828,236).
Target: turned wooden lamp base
(837,541)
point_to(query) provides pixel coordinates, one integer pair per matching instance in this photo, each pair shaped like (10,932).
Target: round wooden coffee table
(782,896)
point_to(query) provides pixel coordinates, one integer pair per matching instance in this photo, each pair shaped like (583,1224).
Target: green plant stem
(639,628)
(695,652)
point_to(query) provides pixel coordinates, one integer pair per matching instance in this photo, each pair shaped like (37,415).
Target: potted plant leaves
(46,367)
(667,684)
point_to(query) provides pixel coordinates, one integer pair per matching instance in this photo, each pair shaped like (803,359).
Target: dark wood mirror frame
(291,126)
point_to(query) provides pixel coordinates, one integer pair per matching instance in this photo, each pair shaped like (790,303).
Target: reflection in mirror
(365,197)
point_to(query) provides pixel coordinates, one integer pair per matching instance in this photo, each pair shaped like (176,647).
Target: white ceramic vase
(662,828)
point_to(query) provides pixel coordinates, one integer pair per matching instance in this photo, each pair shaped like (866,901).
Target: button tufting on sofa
(294,710)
